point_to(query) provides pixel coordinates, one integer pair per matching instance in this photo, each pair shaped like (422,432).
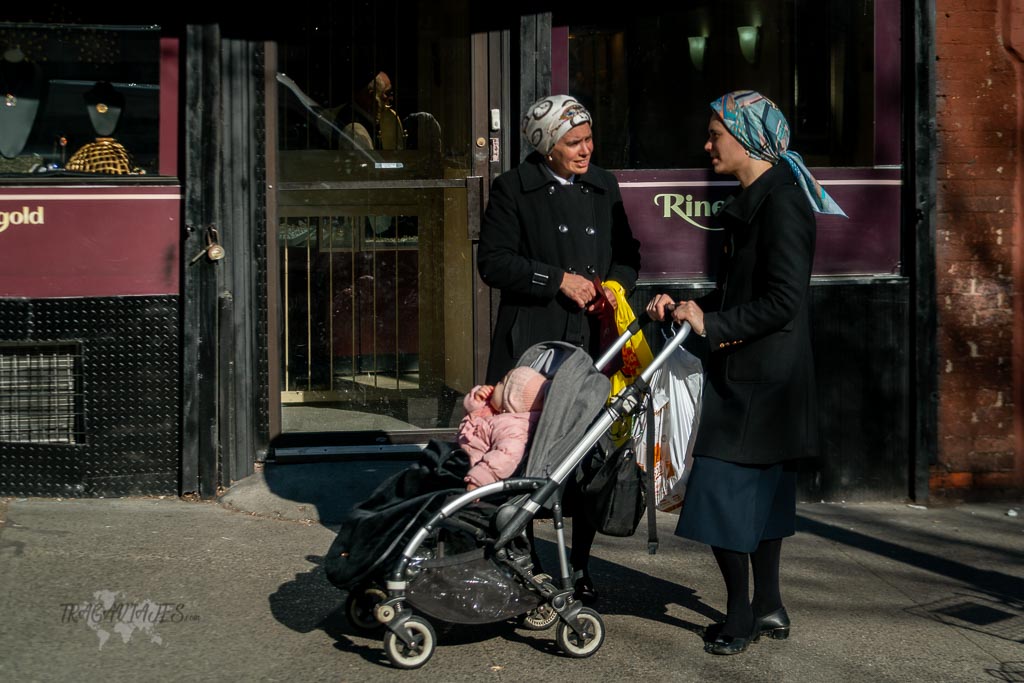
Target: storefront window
(79,100)
(648,77)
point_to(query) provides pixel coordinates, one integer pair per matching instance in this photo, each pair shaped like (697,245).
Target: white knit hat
(549,118)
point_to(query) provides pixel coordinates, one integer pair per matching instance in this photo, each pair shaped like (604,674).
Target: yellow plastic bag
(636,355)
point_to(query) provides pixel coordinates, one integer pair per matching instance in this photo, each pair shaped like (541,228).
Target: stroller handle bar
(633,328)
(628,399)
(611,414)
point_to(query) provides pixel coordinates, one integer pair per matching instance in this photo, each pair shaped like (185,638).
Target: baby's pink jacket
(495,442)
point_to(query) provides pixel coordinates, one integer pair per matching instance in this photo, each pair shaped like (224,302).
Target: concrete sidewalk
(234,590)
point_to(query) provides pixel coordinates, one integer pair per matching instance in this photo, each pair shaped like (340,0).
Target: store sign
(89,241)
(672,214)
(24,217)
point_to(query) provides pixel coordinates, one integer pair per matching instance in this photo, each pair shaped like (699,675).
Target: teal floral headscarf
(763,131)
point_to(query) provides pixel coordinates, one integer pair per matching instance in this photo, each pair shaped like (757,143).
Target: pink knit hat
(522,390)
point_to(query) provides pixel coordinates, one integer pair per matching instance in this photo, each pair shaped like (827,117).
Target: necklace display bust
(21,86)
(104,104)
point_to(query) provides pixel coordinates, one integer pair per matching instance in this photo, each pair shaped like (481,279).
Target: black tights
(740,610)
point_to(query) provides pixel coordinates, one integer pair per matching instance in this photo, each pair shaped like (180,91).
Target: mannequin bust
(21,86)
(104,104)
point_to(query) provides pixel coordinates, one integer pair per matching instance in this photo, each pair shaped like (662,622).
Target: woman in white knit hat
(554,227)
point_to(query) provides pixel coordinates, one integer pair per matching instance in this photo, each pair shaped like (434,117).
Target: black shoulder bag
(613,489)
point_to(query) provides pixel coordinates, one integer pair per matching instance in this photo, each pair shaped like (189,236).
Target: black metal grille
(130,395)
(41,394)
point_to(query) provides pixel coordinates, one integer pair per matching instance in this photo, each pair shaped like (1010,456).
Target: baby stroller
(422,546)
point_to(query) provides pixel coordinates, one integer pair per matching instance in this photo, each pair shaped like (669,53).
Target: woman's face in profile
(727,154)
(571,154)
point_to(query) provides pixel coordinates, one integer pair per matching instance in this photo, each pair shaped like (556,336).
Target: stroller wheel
(539,618)
(411,656)
(359,607)
(577,645)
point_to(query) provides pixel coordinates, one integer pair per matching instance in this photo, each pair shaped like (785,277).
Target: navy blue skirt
(735,506)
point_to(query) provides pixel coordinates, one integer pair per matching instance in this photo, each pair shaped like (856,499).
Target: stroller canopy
(577,393)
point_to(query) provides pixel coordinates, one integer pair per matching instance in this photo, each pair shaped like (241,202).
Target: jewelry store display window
(79,100)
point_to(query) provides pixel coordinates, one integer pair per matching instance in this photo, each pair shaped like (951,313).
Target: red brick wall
(979,120)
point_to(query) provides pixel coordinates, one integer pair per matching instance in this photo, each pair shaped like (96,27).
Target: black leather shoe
(774,625)
(584,590)
(728,645)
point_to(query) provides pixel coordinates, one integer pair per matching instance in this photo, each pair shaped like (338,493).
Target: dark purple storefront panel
(670,213)
(89,241)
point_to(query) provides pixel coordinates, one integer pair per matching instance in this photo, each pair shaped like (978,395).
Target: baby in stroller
(499,422)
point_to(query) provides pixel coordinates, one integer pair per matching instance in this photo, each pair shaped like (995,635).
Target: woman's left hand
(689,310)
(611,298)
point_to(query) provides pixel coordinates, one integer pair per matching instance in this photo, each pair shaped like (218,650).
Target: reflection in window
(648,84)
(347,233)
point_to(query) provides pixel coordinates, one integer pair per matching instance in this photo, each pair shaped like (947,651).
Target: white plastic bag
(677,390)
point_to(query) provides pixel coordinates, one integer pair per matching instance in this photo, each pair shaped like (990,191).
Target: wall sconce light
(748,42)
(697,45)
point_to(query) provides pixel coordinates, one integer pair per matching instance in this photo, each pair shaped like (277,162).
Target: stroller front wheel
(413,656)
(581,645)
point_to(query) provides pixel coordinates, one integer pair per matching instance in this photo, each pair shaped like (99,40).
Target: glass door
(375,274)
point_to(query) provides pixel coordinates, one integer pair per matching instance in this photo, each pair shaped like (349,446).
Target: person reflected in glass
(758,416)
(369,121)
(552,226)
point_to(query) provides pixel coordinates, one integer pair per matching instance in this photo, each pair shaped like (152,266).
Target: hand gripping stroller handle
(679,335)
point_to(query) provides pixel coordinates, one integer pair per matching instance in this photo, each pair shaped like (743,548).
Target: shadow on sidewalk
(995,606)
(309,602)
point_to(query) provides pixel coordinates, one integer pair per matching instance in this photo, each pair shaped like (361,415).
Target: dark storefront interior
(344,305)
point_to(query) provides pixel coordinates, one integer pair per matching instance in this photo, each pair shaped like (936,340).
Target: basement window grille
(41,394)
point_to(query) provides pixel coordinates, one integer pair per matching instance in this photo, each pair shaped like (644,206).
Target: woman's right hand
(656,307)
(578,288)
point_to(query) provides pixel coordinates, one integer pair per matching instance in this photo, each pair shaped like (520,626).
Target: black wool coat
(533,231)
(759,394)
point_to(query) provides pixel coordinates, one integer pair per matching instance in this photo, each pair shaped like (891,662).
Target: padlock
(213,250)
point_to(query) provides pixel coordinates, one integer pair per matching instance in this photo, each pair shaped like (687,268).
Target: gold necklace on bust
(15,78)
(9,90)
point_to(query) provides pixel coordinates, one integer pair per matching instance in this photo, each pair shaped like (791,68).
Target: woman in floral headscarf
(553,225)
(758,413)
